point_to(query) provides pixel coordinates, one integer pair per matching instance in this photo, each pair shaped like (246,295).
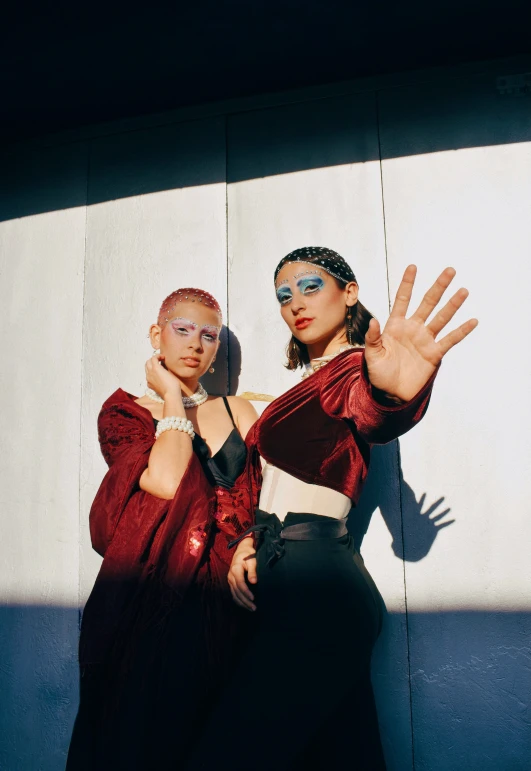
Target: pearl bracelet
(176,424)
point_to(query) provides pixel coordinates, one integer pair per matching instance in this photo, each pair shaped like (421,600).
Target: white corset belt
(281,493)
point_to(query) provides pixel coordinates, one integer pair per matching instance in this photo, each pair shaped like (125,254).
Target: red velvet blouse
(320,431)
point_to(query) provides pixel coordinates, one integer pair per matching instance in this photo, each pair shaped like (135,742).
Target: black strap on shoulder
(229,410)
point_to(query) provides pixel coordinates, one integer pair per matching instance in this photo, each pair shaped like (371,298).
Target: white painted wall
(93,236)
(41,293)
(469,206)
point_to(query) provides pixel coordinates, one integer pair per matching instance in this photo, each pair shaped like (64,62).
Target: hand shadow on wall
(413,524)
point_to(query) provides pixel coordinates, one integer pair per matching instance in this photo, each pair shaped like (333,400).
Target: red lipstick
(302,323)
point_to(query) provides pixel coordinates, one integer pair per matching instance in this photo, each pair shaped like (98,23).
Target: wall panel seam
(377,107)
(82,381)
(406,610)
(378,125)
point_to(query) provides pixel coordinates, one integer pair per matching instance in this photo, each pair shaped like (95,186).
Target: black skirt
(301,697)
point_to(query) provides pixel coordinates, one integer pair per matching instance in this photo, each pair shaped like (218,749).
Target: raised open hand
(402,358)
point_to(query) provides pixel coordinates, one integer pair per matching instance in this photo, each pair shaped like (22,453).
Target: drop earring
(156,351)
(349,325)
(212,370)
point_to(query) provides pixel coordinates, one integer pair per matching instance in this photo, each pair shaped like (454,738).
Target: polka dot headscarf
(326,259)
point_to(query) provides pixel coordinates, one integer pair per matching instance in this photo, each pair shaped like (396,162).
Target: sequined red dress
(158,626)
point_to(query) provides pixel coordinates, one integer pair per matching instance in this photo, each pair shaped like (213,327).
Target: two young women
(154,643)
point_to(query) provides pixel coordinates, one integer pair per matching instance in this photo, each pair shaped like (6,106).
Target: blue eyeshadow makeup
(310,284)
(284,294)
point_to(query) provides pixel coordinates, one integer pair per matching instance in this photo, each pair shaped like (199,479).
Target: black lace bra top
(223,468)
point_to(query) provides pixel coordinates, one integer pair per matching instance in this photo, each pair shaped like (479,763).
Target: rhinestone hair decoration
(323,258)
(183,295)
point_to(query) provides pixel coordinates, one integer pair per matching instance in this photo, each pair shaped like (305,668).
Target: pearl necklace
(194,400)
(315,364)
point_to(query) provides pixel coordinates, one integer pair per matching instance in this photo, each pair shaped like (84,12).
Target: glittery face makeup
(313,305)
(308,283)
(321,257)
(185,327)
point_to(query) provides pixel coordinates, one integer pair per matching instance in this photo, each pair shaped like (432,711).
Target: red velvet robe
(150,541)
(158,627)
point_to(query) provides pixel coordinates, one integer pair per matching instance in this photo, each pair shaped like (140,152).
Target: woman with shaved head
(157,628)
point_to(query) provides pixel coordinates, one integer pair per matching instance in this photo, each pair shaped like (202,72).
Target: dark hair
(356,327)
(357,317)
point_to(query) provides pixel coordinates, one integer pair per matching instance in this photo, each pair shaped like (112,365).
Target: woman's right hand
(160,379)
(243,562)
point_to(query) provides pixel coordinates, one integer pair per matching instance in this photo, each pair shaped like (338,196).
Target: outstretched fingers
(446,314)
(436,521)
(433,296)
(405,290)
(457,335)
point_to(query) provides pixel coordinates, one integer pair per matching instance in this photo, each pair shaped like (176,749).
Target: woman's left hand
(401,359)
(243,567)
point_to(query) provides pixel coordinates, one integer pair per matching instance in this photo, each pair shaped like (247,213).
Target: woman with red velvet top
(157,628)
(302,697)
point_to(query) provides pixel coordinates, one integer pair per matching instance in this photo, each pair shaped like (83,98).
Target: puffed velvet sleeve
(347,393)
(126,438)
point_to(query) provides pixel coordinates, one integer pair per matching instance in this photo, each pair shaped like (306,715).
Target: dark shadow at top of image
(357,127)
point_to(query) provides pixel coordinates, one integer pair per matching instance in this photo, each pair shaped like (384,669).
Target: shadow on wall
(413,523)
(355,128)
(470,680)
(228,366)
(38,686)
(456,694)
